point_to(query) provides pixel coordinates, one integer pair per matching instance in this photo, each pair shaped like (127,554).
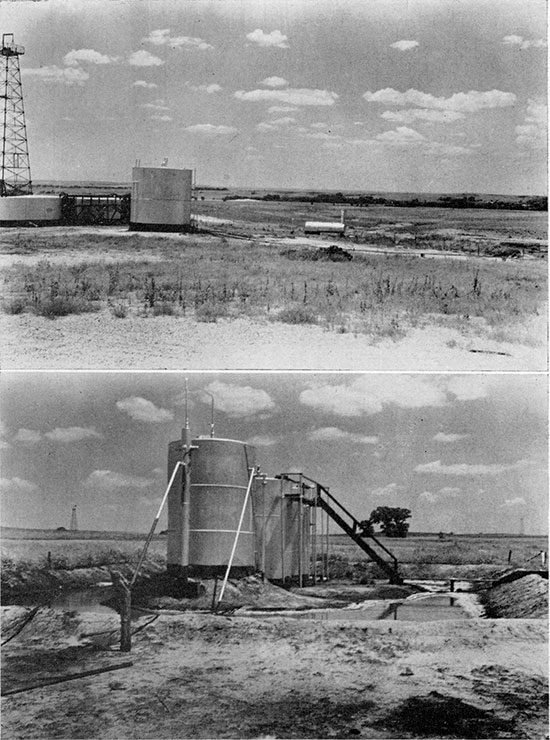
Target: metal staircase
(369,543)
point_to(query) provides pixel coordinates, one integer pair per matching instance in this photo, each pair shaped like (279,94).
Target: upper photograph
(274,184)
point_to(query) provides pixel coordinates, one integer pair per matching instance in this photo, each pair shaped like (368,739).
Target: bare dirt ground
(90,341)
(207,676)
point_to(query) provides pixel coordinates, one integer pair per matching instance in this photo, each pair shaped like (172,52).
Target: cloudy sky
(465,453)
(391,95)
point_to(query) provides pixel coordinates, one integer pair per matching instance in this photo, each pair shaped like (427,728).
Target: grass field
(210,278)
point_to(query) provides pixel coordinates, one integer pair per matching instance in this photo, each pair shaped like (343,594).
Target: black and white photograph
(263,184)
(274,369)
(328,556)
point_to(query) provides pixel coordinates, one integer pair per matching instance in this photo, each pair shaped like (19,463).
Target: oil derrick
(74,524)
(15,175)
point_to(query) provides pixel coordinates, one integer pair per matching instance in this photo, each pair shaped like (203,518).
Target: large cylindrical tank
(220,471)
(31,210)
(161,199)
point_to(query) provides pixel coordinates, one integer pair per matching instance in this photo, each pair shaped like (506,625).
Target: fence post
(124,599)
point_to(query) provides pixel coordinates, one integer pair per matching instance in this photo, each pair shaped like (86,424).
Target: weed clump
(297,315)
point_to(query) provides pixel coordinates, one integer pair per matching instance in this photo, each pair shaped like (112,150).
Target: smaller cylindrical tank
(161,199)
(30,210)
(283,532)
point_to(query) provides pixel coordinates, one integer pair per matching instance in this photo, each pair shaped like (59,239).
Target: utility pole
(15,174)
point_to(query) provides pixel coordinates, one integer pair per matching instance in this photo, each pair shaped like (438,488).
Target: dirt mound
(250,591)
(526,597)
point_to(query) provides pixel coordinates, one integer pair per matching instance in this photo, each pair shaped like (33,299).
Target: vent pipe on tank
(211,414)
(186,488)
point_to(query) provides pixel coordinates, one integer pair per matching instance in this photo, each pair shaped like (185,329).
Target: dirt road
(204,676)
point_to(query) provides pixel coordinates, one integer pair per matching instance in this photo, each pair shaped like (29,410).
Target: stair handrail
(325,490)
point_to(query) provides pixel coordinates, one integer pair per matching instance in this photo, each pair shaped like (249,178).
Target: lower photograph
(274,555)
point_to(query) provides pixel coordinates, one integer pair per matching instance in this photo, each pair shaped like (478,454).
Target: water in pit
(419,608)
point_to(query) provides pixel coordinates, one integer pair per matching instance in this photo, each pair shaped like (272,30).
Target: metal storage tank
(161,199)
(279,516)
(33,210)
(269,506)
(319,227)
(220,471)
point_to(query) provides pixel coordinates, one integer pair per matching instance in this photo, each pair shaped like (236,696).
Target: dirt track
(203,676)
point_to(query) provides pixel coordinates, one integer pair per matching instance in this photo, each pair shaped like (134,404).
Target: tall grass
(375,294)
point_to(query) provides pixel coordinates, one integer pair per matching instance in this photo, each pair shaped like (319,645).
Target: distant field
(484,549)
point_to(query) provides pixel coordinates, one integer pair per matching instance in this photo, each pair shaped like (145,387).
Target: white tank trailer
(161,199)
(30,210)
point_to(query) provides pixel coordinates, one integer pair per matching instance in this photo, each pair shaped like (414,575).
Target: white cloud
(274,82)
(533,132)
(284,121)
(445,492)
(161,37)
(108,480)
(404,45)
(143,83)
(210,129)
(333,433)
(275,38)
(429,115)
(238,400)
(401,136)
(510,503)
(27,436)
(161,117)
(451,491)
(389,490)
(66,435)
(143,58)
(282,109)
(293,96)
(468,387)
(210,89)
(75,56)
(464,469)
(141,409)
(369,394)
(264,127)
(17,486)
(447,438)
(66,75)
(514,40)
(158,104)
(463,102)
(260,440)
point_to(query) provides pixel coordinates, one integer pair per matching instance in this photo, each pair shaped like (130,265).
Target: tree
(391,520)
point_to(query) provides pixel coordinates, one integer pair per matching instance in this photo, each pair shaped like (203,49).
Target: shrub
(120,311)
(163,309)
(52,308)
(15,307)
(297,315)
(210,312)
